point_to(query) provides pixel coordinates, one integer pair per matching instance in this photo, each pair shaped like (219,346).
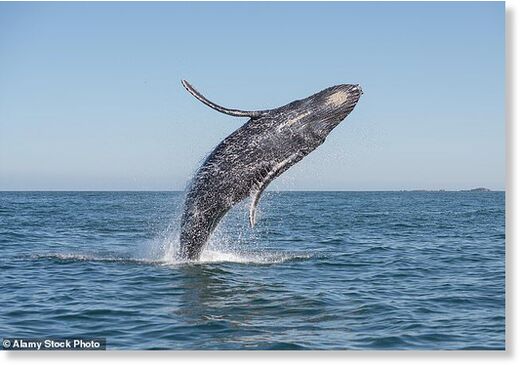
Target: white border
(350,358)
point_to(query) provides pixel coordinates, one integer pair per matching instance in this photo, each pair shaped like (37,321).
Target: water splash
(233,241)
(220,249)
(208,257)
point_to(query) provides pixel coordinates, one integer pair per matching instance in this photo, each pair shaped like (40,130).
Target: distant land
(477,189)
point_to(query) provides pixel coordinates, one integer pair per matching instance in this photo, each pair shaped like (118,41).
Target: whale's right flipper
(261,185)
(228,111)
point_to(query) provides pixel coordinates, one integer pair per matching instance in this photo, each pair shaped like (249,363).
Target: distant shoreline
(478,189)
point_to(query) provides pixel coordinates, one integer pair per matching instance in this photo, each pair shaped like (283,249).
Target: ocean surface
(321,270)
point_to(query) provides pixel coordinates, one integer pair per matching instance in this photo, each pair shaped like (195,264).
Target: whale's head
(314,117)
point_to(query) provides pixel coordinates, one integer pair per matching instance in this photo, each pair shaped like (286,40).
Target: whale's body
(245,162)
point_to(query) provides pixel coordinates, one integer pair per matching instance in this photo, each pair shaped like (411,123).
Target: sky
(90,93)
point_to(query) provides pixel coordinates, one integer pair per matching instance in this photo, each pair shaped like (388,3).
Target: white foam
(165,254)
(207,257)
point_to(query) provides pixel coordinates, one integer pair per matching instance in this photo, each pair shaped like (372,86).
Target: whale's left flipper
(227,111)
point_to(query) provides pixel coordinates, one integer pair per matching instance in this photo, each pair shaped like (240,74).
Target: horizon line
(477,189)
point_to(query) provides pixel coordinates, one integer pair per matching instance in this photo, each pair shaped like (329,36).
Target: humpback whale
(249,159)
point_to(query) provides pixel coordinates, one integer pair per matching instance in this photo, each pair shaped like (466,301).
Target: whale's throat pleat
(266,177)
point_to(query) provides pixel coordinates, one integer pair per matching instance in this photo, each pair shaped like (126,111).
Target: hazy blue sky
(90,93)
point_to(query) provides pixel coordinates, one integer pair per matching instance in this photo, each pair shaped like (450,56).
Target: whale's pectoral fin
(252,208)
(267,177)
(228,111)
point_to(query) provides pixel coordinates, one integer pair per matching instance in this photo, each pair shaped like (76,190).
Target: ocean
(321,270)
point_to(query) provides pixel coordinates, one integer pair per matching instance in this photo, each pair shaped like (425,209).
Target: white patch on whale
(336,99)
